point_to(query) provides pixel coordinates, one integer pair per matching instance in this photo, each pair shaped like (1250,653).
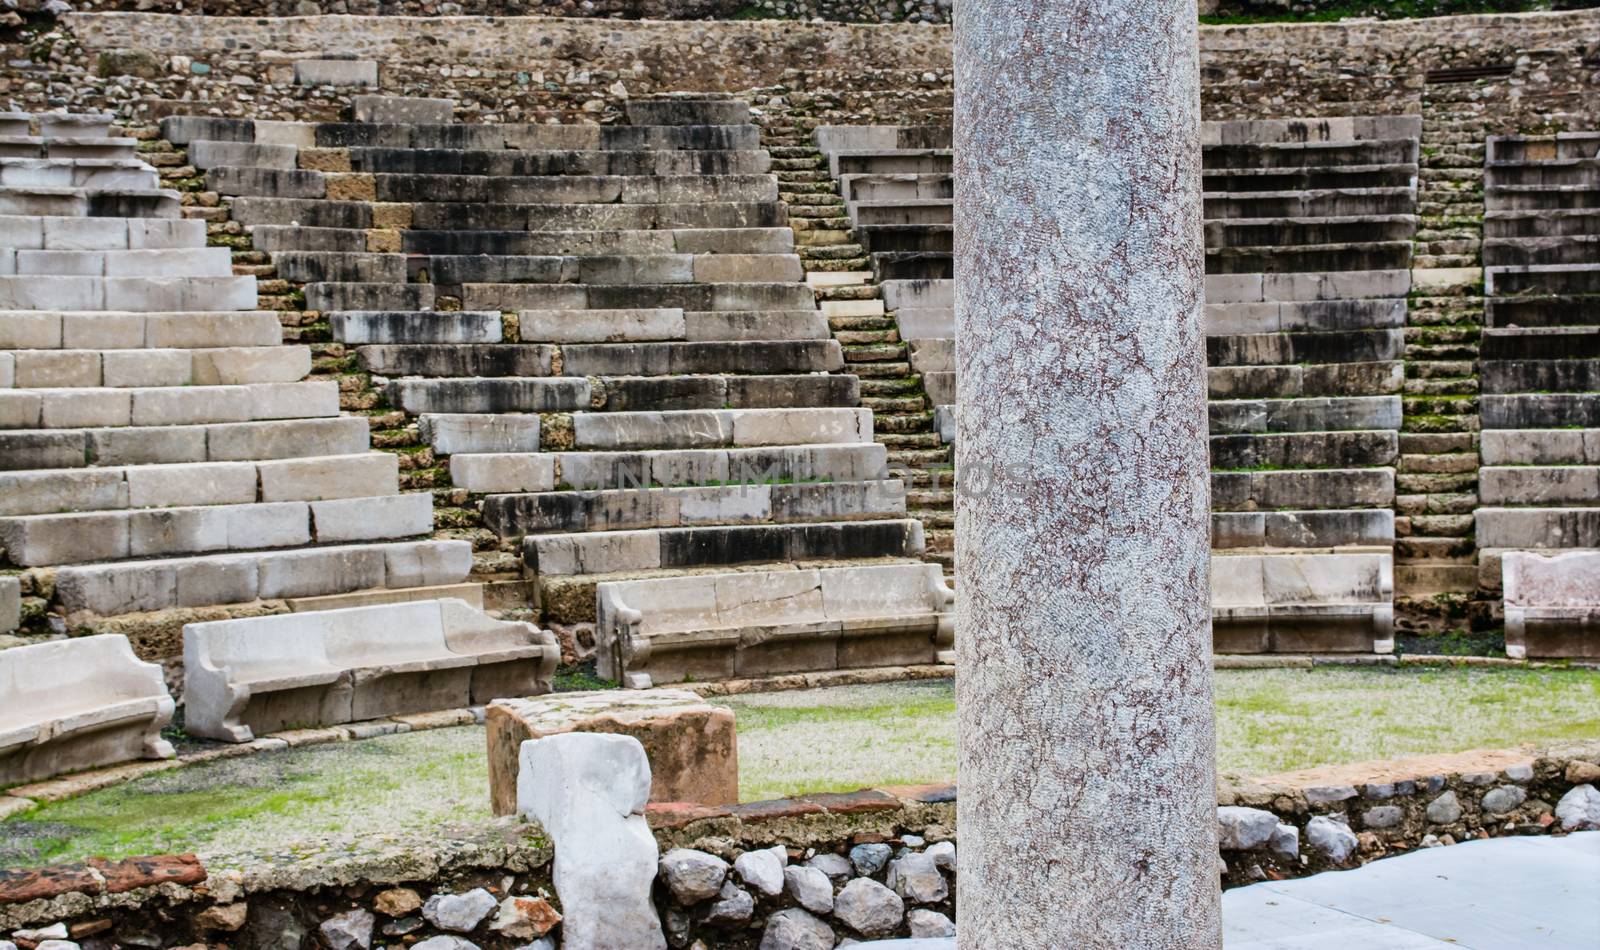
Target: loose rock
(459,912)
(810,888)
(1285,842)
(794,929)
(926,923)
(763,869)
(1332,837)
(869,859)
(1241,829)
(1506,798)
(734,905)
(1384,816)
(693,876)
(524,918)
(869,908)
(397,902)
(349,930)
(943,854)
(917,879)
(228,917)
(835,866)
(56,931)
(1445,810)
(1579,809)
(445,943)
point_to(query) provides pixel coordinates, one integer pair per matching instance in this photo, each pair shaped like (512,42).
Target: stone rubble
(1332,837)
(461,913)
(350,930)
(763,869)
(1579,809)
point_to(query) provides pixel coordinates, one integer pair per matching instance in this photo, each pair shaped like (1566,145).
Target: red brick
(134,873)
(679,814)
(18,887)
(777,808)
(851,803)
(928,794)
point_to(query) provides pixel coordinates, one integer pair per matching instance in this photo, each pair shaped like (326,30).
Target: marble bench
(1303,603)
(720,626)
(75,704)
(264,674)
(1552,604)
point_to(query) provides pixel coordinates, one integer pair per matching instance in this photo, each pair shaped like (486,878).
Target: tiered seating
(263,674)
(74,704)
(1540,480)
(604,329)
(157,442)
(1308,228)
(1552,604)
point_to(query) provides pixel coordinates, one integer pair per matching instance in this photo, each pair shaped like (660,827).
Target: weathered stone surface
(1285,842)
(869,908)
(693,875)
(691,745)
(869,859)
(1503,799)
(226,917)
(589,792)
(525,918)
(763,869)
(733,905)
(794,929)
(446,943)
(926,923)
(916,879)
(1579,809)
(349,930)
(1383,816)
(1445,809)
(1244,828)
(397,902)
(1331,837)
(836,867)
(809,887)
(461,913)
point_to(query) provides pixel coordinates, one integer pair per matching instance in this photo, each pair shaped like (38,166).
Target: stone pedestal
(691,744)
(1087,810)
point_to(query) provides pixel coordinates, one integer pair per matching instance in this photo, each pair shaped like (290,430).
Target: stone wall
(1540,70)
(491,882)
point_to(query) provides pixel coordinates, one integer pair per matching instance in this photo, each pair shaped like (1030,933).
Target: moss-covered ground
(816,740)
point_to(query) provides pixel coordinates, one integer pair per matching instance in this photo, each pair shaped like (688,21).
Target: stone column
(1087,802)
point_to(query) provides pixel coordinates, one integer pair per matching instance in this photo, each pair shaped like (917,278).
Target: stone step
(1533,376)
(884,238)
(1277,349)
(1216,180)
(1301,528)
(444,216)
(687,112)
(508,190)
(1540,485)
(890,162)
(1536,528)
(89,202)
(216,579)
(1309,489)
(1541,446)
(1314,415)
(524,163)
(22,450)
(775,357)
(1540,197)
(1441,387)
(1281,382)
(1546,173)
(1387,255)
(1542,250)
(591,269)
(1311,154)
(116,329)
(180,130)
(1441,369)
(340,266)
(1541,410)
(900,459)
(744,503)
(1303,450)
(1329,285)
(1244,232)
(209,153)
(513,473)
(1545,311)
(1540,224)
(58,233)
(68,147)
(165,405)
(370,296)
(137,294)
(1321,203)
(1543,147)
(901,211)
(698,547)
(743,296)
(1225,319)
(148,367)
(163,262)
(88,173)
(1542,280)
(912,186)
(159,486)
(738,240)
(55,539)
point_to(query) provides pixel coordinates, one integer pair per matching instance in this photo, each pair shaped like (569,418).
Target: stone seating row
(1303,603)
(97,173)
(647,325)
(1539,483)
(1552,604)
(206,154)
(457,269)
(263,674)
(55,124)
(67,147)
(22,450)
(481,469)
(159,262)
(151,367)
(104,407)
(462,216)
(89,201)
(65,233)
(475,242)
(57,292)
(487,394)
(234,181)
(718,626)
(78,703)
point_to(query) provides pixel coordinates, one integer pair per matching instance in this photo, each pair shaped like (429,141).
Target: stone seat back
(1282,602)
(717,626)
(79,703)
(1552,604)
(243,677)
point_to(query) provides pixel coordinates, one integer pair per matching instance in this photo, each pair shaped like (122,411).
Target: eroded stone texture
(1086,761)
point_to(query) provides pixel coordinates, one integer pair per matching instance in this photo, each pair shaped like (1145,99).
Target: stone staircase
(161,453)
(601,334)
(904,384)
(1540,408)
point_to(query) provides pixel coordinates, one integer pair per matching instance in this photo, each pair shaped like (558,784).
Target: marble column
(1086,769)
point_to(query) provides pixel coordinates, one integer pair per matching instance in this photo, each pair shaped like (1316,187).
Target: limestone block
(166,531)
(321,571)
(65,539)
(402,110)
(254,364)
(10,603)
(170,262)
(367,519)
(284,439)
(589,793)
(157,233)
(201,582)
(76,704)
(146,368)
(147,445)
(294,400)
(183,129)
(20,410)
(271,525)
(321,478)
(426,563)
(191,405)
(601,553)
(177,294)
(796,426)
(690,744)
(1552,604)
(37,493)
(106,330)
(274,132)
(392,326)
(61,263)
(52,293)
(452,433)
(503,472)
(214,483)
(726,268)
(21,231)
(601,326)
(55,369)
(336,72)
(20,330)
(111,589)
(209,154)
(198,330)
(681,429)
(83,408)
(85,234)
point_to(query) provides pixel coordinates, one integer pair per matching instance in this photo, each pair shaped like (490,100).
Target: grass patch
(789,743)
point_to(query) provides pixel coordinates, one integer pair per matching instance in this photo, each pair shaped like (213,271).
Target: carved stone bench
(720,626)
(74,704)
(264,674)
(1552,604)
(1302,603)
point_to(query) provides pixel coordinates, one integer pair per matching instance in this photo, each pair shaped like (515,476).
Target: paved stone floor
(1501,894)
